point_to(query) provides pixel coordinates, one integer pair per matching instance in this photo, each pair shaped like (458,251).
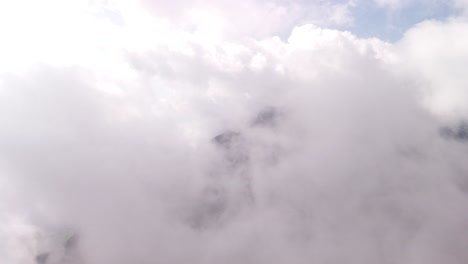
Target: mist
(137,134)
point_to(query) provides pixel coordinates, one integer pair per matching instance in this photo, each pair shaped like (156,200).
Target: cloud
(390,3)
(461,3)
(428,6)
(161,142)
(257,18)
(444,83)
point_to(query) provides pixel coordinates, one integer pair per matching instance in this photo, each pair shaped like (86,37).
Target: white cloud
(437,52)
(171,136)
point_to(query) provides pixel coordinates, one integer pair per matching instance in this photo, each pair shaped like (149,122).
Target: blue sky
(372,20)
(390,24)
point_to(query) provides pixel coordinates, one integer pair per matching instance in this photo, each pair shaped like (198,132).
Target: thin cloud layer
(133,140)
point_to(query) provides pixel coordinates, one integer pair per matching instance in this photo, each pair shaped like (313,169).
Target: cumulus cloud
(438,62)
(132,134)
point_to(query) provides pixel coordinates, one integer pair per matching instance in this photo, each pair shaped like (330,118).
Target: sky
(257,131)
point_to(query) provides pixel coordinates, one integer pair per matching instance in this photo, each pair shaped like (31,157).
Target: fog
(146,146)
